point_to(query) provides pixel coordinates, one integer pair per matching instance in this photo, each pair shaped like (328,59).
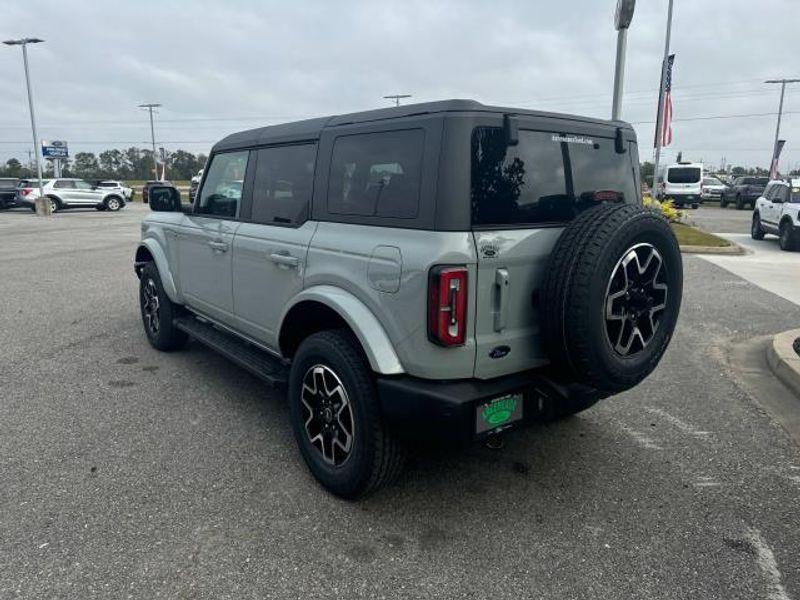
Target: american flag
(666,106)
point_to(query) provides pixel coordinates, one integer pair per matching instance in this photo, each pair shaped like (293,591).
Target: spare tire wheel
(611,296)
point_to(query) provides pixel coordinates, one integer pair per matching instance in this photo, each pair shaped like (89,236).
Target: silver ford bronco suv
(441,271)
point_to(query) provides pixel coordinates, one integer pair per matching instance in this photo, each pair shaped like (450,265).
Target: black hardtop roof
(312,128)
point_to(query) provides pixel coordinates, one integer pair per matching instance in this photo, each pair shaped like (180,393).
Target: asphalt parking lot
(127,473)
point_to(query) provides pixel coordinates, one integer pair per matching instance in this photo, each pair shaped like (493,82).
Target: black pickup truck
(744,191)
(8,192)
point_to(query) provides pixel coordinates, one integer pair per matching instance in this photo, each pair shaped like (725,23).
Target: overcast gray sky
(219,67)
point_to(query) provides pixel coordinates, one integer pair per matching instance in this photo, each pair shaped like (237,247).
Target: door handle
(219,246)
(501,299)
(285,259)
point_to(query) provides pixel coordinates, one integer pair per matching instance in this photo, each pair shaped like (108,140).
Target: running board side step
(259,362)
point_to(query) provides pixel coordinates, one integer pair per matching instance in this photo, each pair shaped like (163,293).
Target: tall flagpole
(660,113)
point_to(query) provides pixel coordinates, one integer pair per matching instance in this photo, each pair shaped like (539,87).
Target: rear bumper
(446,411)
(684,198)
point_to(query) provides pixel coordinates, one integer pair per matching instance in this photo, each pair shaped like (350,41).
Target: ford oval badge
(499,351)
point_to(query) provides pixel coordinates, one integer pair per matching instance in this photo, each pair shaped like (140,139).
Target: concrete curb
(733,249)
(783,360)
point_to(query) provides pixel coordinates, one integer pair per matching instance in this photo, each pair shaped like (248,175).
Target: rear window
(377,174)
(684,175)
(546,178)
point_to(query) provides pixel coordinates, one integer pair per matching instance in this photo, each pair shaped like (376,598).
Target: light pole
(783,83)
(397,98)
(42,206)
(149,107)
(660,112)
(622,20)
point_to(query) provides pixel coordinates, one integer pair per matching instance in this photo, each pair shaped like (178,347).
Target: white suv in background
(777,211)
(72,193)
(117,185)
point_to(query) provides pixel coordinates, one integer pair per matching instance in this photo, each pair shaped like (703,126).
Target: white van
(680,182)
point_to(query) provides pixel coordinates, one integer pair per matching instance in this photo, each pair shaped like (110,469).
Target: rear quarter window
(547,178)
(377,174)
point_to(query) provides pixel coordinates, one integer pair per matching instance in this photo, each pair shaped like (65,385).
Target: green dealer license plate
(498,412)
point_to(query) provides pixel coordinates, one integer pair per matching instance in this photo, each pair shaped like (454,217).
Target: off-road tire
(786,237)
(167,337)
(376,457)
(756,231)
(573,299)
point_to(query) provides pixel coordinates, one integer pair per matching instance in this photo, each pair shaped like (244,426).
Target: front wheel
(786,237)
(739,203)
(158,312)
(756,231)
(336,417)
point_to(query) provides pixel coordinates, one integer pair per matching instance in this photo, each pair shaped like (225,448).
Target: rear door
(522,197)
(684,180)
(87,194)
(271,245)
(65,188)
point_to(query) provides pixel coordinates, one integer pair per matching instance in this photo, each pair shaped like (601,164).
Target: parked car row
(70,192)
(67,192)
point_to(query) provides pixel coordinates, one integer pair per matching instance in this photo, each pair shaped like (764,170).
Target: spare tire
(611,296)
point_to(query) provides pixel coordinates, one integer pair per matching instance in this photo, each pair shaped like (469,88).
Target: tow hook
(495,442)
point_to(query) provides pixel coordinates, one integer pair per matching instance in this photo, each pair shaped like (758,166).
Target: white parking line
(678,423)
(768,565)
(765,265)
(639,437)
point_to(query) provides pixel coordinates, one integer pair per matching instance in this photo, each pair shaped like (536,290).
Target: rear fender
(374,340)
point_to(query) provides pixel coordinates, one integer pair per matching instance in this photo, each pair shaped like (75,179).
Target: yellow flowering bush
(666,208)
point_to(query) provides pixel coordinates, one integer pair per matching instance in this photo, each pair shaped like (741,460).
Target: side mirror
(165,198)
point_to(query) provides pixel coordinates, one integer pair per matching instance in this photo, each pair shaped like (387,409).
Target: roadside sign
(54,149)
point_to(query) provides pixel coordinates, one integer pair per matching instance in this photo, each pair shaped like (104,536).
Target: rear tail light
(606,196)
(26,191)
(447,305)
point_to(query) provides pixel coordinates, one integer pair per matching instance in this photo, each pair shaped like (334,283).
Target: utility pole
(42,205)
(783,83)
(622,20)
(397,98)
(660,113)
(149,107)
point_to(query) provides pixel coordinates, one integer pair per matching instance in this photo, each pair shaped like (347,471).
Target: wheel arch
(150,251)
(325,307)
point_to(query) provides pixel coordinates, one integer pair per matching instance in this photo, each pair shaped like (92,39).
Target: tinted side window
(63,184)
(377,174)
(781,193)
(283,185)
(546,178)
(222,190)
